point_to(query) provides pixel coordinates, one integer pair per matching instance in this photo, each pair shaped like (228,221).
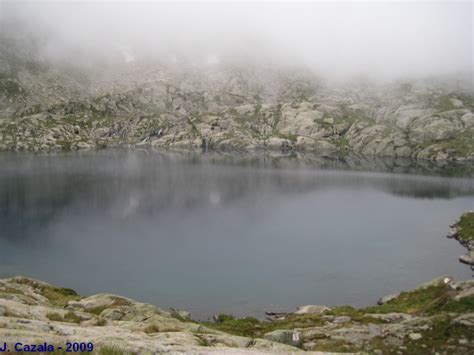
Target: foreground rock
(438,316)
(32,311)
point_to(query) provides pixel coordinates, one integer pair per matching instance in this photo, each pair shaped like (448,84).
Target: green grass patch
(463,144)
(439,337)
(464,305)
(334,346)
(247,326)
(55,317)
(59,296)
(11,290)
(425,300)
(72,318)
(254,328)
(465,227)
(356,315)
(97,310)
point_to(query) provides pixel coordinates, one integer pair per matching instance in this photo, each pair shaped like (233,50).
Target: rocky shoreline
(436,317)
(462,231)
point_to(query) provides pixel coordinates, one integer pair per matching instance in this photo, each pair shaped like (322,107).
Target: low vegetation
(58,296)
(443,336)
(254,328)
(462,144)
(436,303)
(465,227)
(419,301)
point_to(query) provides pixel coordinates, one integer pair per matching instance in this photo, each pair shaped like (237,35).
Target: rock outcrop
(34,312)
(438,316)
(45,108)
(463,231)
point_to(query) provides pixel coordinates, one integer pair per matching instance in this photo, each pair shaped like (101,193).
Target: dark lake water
(221,233)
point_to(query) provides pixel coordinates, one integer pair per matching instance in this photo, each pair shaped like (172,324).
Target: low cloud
(335,39)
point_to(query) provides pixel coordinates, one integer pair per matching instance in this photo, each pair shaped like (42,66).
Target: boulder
(406,114)
(279,143)
(464,294)
(101,300)
(284,336)
(298,121)
(328,120)
(467,258)
(415,336)
(180,314)
(464,319)
(456,103)
(341,320)
(112,314)
(468,119)
(84,146)
(311,309)
(384,299)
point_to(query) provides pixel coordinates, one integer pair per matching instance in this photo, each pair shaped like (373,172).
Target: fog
(337,39)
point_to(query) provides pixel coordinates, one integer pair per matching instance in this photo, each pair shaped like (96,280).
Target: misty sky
(382,39)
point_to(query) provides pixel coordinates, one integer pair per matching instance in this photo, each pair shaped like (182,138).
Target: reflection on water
(219,233)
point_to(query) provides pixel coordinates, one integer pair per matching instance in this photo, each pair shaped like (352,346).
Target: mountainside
(46,106)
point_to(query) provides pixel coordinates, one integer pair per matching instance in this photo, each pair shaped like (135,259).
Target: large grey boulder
(468,119)
(311,309)
(290,337)
(467,258)
(279,143)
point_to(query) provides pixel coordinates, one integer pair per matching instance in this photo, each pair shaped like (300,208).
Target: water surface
(227,234)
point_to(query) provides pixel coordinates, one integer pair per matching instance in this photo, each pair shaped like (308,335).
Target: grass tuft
(70,317)
(465,227)
(423,300)
(254,328)
(59,296)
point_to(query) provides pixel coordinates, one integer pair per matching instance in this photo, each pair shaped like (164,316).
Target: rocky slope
(437,317)
(46,107)
(34,312)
